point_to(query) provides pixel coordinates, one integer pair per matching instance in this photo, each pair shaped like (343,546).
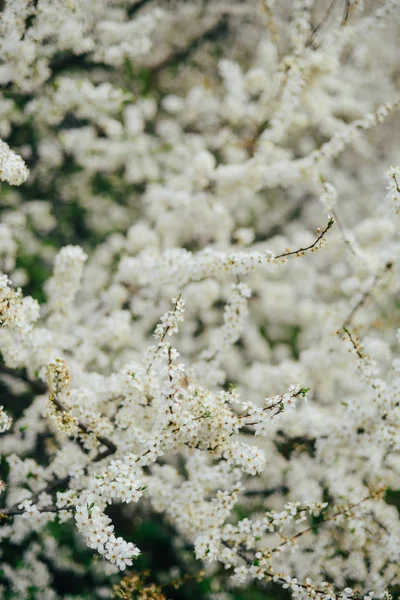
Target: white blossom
(199,296)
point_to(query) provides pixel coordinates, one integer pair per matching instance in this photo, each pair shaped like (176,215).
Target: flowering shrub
(199,297)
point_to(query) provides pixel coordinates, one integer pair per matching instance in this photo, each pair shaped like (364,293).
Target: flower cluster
(12,167)
(5,420)
(98,533)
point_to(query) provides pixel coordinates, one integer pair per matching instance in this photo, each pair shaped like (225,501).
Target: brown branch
(14,510)
(111,447)
(311,247)
(278,405)
(356,346)
(56,482)
(348,9)
(37,386)
(396,182)
(322,22)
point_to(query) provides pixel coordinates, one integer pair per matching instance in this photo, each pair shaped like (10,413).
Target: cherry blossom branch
(163,335)
(287,581)
(279,405)
(111,448)
(341,511)
(356,345)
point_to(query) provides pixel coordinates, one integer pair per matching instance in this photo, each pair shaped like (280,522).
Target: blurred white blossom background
(199,299)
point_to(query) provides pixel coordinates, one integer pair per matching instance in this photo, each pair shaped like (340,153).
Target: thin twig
(348,9)
(367,293)
(396,182)
(322,22)
(311,246)
(355,345)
